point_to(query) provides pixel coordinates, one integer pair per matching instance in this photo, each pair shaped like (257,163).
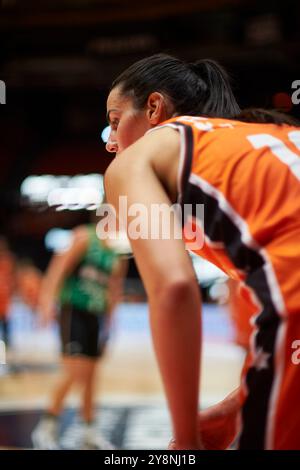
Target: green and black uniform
(84,300)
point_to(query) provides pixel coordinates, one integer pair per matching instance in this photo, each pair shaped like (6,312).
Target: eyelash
(114,125)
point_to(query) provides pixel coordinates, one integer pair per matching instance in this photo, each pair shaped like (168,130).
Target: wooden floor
(127,370)
(128,373)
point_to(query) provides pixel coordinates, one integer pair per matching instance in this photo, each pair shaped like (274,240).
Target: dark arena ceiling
(80,43)
(59,57)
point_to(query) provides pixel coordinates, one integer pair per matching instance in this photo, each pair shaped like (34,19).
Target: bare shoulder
(158,150)
(166,160)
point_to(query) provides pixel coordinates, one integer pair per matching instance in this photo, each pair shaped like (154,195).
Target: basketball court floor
(131,410)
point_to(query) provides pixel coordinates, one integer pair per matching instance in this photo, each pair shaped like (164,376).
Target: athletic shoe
(92,440)
(45,434)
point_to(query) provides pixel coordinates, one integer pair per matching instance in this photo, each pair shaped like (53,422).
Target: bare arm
(169,279)
(60,266)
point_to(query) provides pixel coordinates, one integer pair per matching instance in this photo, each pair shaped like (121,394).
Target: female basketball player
(85,280)
(247,176)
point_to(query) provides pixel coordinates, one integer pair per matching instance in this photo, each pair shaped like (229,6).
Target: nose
(111,145)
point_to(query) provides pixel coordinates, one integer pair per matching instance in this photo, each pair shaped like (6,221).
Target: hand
(217,429)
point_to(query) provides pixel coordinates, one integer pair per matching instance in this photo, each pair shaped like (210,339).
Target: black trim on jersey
(189,150)
(188,156)
(219,227)
(259,383)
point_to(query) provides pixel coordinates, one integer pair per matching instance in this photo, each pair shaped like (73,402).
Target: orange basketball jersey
(247,176)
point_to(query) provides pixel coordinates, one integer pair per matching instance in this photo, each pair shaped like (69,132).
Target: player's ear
(156,108)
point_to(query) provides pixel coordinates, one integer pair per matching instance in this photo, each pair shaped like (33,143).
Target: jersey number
(279,149)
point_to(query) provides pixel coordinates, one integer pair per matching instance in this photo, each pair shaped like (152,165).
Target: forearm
(51,286)
(176,329)
(51,283)
(47,300)
(59,268)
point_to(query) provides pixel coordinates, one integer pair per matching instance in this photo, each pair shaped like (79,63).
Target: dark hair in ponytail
(220,101)
(201,88)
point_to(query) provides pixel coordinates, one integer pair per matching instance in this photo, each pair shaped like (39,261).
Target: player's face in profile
(127,123)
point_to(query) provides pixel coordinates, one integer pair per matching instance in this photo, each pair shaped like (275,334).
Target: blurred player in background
(86,280)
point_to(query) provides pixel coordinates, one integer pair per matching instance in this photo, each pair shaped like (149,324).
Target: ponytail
(219,100)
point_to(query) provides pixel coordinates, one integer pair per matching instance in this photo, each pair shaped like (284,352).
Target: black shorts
(82,333)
